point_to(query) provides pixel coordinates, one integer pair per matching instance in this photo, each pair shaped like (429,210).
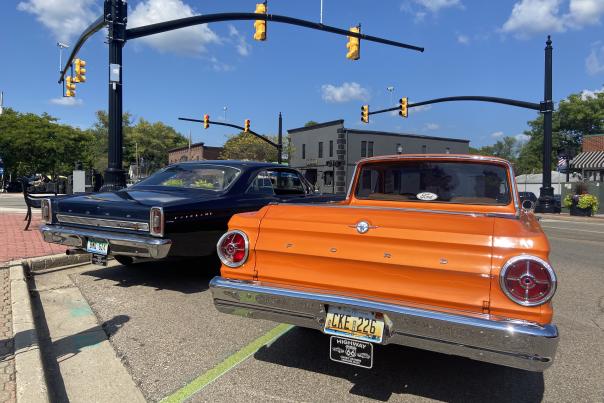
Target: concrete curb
(29,378)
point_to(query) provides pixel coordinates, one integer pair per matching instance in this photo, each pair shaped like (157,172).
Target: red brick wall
(594,142)
(198,152)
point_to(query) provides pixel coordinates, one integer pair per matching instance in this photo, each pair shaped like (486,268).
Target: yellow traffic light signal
(354,45)
(260,25)
(69,87)
(246,126)
(206,121)
(365,113)
(80,71)
(403,107)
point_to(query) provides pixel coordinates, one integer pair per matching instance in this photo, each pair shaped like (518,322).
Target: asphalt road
(173,335)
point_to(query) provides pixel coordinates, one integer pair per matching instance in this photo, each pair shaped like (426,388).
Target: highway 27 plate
(98,246)
(359,325)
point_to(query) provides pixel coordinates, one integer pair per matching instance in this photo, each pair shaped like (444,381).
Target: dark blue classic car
(181,210)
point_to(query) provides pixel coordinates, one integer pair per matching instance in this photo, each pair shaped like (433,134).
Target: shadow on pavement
(183,275)
(407,371)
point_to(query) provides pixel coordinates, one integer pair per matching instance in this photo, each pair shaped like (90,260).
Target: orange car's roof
(466,157)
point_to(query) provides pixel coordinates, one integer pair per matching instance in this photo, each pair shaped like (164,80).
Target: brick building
(197,152)
(591,160)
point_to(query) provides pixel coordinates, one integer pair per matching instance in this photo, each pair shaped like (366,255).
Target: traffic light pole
(115,176)
(280,140)
(115,18)
(260,136)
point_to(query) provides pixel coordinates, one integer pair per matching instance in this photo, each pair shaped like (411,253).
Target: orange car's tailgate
(442,260)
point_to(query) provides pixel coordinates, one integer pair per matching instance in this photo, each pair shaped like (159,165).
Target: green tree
(310,123)
(245,146)
(576,116)
(507,148)
(31,143)
(152,139)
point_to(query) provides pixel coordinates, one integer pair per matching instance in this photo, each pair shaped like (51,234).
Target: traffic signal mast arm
(506,101)
(261,137)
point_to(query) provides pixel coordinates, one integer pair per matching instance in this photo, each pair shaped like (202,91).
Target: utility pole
(280,140)
(115,15)
(1,101)
(545,203)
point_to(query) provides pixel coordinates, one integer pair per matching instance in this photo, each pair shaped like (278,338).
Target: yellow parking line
(228,364)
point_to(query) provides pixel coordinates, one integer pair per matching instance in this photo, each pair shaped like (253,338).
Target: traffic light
(403,107)
(80,71)
(260,25)
(246,126)
(365,113)
(69,87)
(206,121)
(354,45)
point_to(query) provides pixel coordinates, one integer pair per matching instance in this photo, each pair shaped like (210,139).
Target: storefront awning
(589,160)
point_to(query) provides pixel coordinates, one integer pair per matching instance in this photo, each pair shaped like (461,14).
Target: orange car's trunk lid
(434,259)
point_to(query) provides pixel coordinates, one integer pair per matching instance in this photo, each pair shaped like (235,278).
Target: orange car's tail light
(156,221)
(233,248)
(528,280)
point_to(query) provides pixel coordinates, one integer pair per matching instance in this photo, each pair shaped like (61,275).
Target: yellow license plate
(355,324)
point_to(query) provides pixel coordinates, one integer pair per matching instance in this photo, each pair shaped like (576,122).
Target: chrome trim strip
(119,243)
(514,343)
(47,220)
(413,210)
(103,222)
(399,157)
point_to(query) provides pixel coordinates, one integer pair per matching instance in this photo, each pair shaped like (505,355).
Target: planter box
(581,212)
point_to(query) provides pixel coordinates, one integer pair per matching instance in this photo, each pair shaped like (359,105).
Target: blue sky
(472,48)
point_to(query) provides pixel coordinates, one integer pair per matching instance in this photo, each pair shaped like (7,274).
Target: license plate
(98,246)
(355,324)
(100,260)
(351,352)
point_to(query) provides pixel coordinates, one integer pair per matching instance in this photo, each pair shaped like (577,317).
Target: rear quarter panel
(511,238)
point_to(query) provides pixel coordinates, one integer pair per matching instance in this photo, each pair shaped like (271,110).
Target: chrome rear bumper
(511,343)
(119,243)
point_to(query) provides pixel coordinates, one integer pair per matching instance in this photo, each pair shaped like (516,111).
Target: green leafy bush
(203,184)
(588,201)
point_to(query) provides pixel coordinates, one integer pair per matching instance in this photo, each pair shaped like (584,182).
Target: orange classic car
(428,251)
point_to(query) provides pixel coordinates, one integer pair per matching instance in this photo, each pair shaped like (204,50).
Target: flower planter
(581,212)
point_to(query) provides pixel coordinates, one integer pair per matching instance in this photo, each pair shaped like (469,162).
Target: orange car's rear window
(435,182)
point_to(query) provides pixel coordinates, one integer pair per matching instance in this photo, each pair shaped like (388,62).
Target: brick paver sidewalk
(7,358)
(18,244)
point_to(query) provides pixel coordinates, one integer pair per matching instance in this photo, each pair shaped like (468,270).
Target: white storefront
(534,182)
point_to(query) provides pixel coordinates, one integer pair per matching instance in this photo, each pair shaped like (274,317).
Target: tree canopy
(31,143)
(246,146)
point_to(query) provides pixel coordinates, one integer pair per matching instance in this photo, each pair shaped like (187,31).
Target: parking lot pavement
(174,336)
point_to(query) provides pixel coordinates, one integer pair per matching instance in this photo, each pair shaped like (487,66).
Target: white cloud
(497,134)
(66,101)
(243,48)
(219,66)
(431,126)
(536,16)
(586,94)
(595,61)
(585,12)
(421,108)
(65,18)
(420,8)
(190,40)
(522,138)
(463,39)
(344,93)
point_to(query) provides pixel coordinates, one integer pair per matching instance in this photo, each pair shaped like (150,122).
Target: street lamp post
(545,203)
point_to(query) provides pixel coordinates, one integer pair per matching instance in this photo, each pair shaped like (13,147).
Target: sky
(472,47)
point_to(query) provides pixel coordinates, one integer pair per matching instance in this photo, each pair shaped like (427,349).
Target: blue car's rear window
(193,176)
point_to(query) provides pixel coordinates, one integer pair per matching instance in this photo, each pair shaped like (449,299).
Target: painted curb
(49,262)
(29,378)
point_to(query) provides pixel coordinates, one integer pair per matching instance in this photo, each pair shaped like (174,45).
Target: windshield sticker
(427,196)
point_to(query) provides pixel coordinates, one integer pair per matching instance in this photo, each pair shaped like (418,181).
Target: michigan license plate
(98,246)
(354,324)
